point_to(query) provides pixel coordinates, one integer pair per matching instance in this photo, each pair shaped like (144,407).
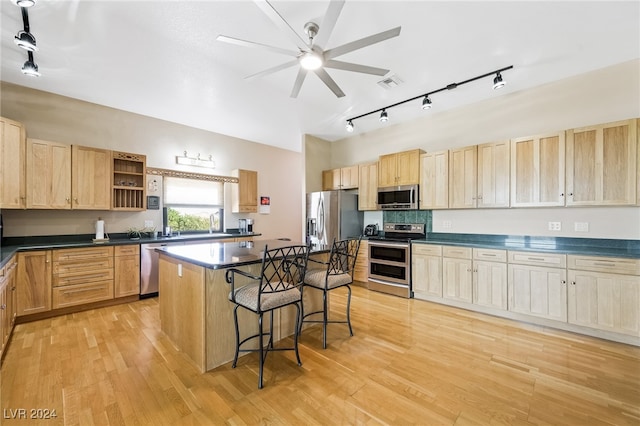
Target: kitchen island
(195,311)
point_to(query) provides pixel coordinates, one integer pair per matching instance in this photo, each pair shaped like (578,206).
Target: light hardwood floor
(410,362)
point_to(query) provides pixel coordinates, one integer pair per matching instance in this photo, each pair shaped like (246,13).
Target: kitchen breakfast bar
(195,311)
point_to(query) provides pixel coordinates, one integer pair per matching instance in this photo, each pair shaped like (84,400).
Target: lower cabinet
(490,278)
(361,269)
(7,301)
(426,270)
(457,274)
(34,282)
(127,270)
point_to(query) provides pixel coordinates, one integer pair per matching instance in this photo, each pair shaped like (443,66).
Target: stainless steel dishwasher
(149,259)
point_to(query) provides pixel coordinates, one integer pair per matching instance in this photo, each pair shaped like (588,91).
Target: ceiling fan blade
(273,69)
(328,23)
(302,73)
(348,66)
(363,42)
(326,78)
(245,43)
(268,9)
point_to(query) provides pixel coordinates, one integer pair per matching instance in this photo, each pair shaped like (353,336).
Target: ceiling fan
(311,55)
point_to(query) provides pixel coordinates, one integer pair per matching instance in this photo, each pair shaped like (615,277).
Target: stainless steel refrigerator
(332,214)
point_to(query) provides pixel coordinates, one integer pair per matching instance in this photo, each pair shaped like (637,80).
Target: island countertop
(227,255)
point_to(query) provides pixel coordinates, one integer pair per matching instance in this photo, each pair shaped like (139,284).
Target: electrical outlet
(581,226)
(555,226)
(148,224)
(446,224)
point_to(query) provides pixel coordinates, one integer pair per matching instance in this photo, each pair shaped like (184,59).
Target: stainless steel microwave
(403,197)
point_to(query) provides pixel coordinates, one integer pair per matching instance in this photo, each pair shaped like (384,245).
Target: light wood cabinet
(426,270)
(401,168)
(341,178)
(434,180)
(7,301)
(540,291)
(34,282)
(457,274)
(48,175)
(604,293)
(361,269)
(490,278)
(126,270)
(463,172)
(128,181)
(90,178)
(12,164)
(330,179)
(368,187)
(493,175)
(245,192)
(601,164)
(538,170)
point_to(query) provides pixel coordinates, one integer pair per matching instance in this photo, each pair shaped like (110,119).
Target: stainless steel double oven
(390,258)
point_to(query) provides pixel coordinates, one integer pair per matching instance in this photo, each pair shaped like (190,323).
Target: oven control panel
(410,228)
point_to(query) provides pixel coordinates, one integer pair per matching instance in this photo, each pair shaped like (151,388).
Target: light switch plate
(555,226)
(581,226)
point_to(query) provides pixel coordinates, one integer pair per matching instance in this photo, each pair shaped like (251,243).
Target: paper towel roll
(100,230)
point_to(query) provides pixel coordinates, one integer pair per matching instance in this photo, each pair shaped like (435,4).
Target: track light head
(349,126)
(497,81)
(30,68)
(24,3)
(383,116)
(26,41)
(426,102)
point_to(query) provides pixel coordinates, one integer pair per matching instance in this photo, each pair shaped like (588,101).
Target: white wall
(57,118)
(600,96)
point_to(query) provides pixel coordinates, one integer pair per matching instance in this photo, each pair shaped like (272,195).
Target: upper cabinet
(90,178)
(537,170)
(434,180)
(129,181)
(342,178)
(245,192)
(48,175)
(12,164)
(401,168)
(368,188)
(463,163)
(493,175)
(601,164)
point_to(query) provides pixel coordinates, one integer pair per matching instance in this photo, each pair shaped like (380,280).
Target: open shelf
(129,186)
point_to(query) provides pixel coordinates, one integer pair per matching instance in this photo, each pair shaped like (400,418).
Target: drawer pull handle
(607,263)
(84,278)
(539,259)
(82,290)
(488,254)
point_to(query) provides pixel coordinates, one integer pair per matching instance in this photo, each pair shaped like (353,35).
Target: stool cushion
(247,296)
(316,278)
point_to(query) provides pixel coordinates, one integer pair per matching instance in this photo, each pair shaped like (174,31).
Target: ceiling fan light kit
(498,83)
(25,40)
(311,54)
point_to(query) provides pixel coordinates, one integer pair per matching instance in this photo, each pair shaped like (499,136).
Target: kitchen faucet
(211,221)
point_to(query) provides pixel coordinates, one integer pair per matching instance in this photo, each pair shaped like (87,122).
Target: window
(192,205)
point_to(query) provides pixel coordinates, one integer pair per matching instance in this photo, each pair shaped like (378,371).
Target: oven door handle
(398,245)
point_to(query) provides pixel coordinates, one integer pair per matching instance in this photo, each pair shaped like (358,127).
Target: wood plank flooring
(410,362)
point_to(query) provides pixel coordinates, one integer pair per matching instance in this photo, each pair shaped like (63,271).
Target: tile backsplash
(409,216)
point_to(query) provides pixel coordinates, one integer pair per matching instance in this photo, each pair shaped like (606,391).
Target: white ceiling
(161,59)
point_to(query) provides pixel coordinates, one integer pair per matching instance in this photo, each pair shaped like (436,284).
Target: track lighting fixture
(426,101)
(24,3)
(26,40)
(497,81)
(30,68)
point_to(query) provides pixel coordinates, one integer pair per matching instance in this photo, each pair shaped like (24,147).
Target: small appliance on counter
(249,225)
(242,226)
(371,230)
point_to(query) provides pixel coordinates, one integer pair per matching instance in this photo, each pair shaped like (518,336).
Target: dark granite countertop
(227,255)
(560,245)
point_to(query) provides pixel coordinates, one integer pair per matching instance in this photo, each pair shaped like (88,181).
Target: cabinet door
(245,192)
(601,166)
(408,167)
(463,177)
(604,301)
(12,164)
(490,284)
(368,187)
(361,269)
(349,177)
(434,180)
(457,279)
(493,175)
(387,170)
(90,178)
(537,171)
(426,275)
(48,175)
(538,291)
(34,282)
(127,275)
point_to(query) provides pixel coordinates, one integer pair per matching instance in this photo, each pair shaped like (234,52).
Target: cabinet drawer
(540,259)
(82,277)
(82,254)
(457,252)
(127,250)
(82,293)
(490,254)
(64,268)
(426,249)
(613,265)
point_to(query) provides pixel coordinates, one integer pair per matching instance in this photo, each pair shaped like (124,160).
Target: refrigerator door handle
(320,216)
